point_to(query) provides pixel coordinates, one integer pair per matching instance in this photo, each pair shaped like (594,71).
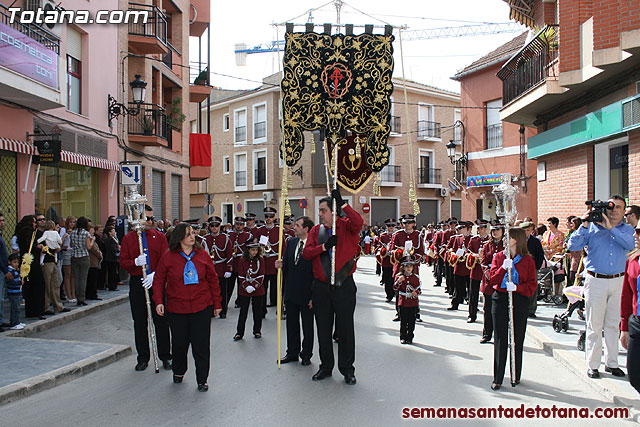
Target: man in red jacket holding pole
(339,297)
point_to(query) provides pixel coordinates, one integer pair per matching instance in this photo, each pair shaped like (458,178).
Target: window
(428,128)
(259,169)
(395,121)
(225,164)
(225,123)
(426,173)
(176,196)
(391,172)
(457,131)
(74,103)
(259,123)
(240,127)
(240,168)
(494,125)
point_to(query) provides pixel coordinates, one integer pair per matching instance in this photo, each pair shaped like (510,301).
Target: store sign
(48,151)
(619,157)
(24,55)
(484,180)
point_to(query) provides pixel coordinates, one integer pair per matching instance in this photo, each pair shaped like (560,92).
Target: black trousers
(102,276)
(474,295)
(226,290)
(91,291)
(295,312)
(378,268)
(33,291)
(500,312)
(387,279)
(341,302)
(257,307)
(440,271)
(113,274)
(191,329)
(236,285)
(139,313)
(487,327)
(633,352)
(271,289)
(407,322)
(459,290)
(448,274)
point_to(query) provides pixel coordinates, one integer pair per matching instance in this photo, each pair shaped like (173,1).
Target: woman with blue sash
(523,284)
(186,289)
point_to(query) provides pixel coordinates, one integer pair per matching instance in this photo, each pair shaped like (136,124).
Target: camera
(597,210)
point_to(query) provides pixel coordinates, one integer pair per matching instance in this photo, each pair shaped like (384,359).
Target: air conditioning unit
(46,5)
(444,192)
(267,196)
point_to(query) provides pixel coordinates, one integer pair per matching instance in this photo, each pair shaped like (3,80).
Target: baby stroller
(546,279)
(575,295)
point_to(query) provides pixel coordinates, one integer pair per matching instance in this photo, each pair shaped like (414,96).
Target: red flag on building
(200,149)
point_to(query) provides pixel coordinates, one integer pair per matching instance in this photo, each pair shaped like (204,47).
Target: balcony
(493,135)
(200,12)
(241,179)
(395,125)
(428,130)
(200,89)
(240,134)
(149,37)
(391,176)
(429,176)
(259,130)
(149,127)
(259,177)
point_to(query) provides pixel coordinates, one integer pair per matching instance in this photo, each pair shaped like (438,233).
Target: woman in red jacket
(251,289)
(489,250)
(630,324)
(523,284)
(186,281)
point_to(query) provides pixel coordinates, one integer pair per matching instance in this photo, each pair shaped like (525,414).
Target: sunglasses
(269,216)
(151,218)
(214,224)
(39,219)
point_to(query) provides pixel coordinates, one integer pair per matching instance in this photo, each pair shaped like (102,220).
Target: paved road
(446,367)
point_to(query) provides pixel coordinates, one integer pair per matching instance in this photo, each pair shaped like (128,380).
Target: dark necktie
(299,251)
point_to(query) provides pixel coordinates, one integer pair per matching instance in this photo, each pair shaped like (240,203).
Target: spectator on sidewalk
(81,243)
(112,257)
(14,291)
(537,253)
(632,214)
(4,271)
(102,267)
(630,323)
(574,256)
(93,275)
(62,230)
(51,239)
(33,284)
(607,244)
(67,252)
(553,244)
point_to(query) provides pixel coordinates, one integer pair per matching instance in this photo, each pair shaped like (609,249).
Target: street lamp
(138,92)
(451,147)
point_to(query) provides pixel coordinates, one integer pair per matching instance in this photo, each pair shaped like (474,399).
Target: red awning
(200,149)
(16,146)
(91,161)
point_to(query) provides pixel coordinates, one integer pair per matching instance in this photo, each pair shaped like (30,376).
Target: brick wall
(568,185)
(606,24)
(544,13)
(629,15)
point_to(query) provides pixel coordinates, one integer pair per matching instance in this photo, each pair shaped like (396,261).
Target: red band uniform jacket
(239,243)
(221,250)
(130,250)
(477,272)
(251,273)
(399,239)
(385,240)
(489,250)
(526,270)
(270,253)
(410,284)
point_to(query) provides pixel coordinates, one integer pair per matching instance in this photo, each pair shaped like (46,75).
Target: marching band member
(474,265)
(221,251)
(269,237)
(376,249)
(462,245)
(251,289)
(287,228)
(447,242)
(407,284)
(439,248)
(428,239)
(239,238)
(250,225)
(384,259)
(492,247)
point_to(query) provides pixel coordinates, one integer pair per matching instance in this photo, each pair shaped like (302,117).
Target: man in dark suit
(298,273)
(537,253)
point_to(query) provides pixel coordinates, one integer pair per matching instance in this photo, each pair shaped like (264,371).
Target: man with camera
(607,240)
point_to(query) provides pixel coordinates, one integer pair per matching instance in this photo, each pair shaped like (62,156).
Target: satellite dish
(48,7)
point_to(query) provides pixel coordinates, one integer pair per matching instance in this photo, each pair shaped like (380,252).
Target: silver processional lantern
(506,199)
(134,204)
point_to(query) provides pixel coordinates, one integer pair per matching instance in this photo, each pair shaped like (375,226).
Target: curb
(62,375)
(62,318)
(578,367)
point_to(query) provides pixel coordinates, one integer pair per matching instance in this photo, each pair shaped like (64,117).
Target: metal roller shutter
(176,196)
(296,210)
(456,209)
(382,209)
(428,212)
(157,193)
(256,207)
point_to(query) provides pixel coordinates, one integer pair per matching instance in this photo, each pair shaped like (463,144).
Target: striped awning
(16,146)
(84,160)
(522,12)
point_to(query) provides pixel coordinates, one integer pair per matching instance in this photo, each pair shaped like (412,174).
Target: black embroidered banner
(338,83)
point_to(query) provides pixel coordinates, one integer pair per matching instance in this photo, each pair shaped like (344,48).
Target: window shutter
(74,43)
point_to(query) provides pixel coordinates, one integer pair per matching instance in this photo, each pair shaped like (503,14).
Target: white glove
(141,260)
(511,287)
(227,274)
(507,264)
(250,289)
(148,281)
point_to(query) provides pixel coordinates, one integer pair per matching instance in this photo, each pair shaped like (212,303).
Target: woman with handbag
(81,243)
(33,281)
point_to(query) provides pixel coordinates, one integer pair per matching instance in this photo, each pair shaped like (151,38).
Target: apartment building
(246,172)
(156,134)
(493,147)
(577,80)
(49,96)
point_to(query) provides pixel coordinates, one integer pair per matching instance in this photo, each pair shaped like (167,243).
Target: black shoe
(453,307)
(237,337)
(166,364)
(203,387)
(49,313)
(495,386)
(350,379)
(470,320)
(436,286)
(389,299)
(410,341)
(616,372)
(593,373)
(271,305)
(320,375)
(418,320)
(396,319)
(532,315)
(177,378)
(288,359)
(306,361)
(223,315)
(65,310)
(403,341)
(485,340)
(257,335)
(141,366)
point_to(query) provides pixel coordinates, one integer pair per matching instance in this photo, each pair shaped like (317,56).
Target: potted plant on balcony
(176,116)
(148,125)
(203,78)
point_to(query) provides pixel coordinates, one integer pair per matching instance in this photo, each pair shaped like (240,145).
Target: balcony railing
(494,136)
(33,31)
(259,176)
(241,178)
(167,58)
(391,173)
(395,124)
(429,176)
(151,121)
(259,130)
(533,64)
(428,129)
(156,25)
(241,133)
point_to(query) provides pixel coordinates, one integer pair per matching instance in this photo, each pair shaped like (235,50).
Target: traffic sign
(303,203)
(239,207)
(209,210)
(131,174)
(366,208)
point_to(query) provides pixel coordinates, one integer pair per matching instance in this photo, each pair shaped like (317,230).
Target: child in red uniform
(408,286)
(251,289)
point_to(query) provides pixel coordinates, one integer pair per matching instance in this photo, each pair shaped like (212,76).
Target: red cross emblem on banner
(336,79)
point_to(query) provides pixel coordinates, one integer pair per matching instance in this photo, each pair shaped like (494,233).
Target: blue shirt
(606,249)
